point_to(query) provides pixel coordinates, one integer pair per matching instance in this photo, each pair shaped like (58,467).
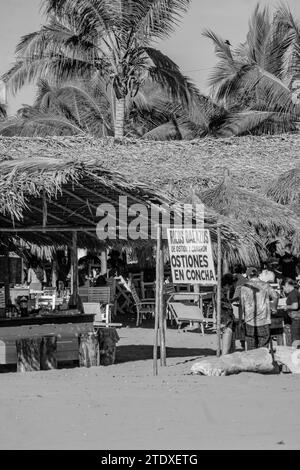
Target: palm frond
(286,188)
(41,125)
(260,31)
(3,111)
(222,49)
(153,19)
(256,123)
(167,74)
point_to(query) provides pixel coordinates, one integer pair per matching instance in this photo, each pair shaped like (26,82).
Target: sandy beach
(124,406)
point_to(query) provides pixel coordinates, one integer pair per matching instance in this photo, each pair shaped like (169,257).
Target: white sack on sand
(256,360)
(288,356)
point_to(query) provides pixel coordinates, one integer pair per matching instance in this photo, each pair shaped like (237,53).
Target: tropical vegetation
(108,43)
(98,73)
(256,81)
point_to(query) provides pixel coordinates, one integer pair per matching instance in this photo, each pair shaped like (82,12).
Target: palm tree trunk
(120,118)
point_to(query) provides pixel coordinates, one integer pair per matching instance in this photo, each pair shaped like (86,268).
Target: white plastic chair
(100,317)
(186,313)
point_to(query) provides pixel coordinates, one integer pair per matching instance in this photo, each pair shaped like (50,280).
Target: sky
(187,47)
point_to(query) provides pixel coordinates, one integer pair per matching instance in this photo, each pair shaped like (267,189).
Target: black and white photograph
(149,229)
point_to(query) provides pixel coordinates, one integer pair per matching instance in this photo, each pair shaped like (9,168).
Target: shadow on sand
(142,352)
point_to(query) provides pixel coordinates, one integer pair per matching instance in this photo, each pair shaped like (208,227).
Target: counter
(66,327)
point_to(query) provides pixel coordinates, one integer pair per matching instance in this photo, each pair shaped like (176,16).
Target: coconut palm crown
(107,41)
(260,76)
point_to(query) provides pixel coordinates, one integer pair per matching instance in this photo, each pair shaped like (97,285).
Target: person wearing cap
(256,309)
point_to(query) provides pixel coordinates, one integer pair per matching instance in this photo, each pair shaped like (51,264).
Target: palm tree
(107,42)
(256,80)
(3,113)
(70,109)
(81,108)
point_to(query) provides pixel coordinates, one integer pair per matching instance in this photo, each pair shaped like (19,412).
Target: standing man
(227,316)
(293,309)
(256,310)
(289,263)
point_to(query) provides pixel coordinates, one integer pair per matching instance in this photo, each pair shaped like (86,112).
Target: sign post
(219,267)
(191,256)
(157,299)
(192,262)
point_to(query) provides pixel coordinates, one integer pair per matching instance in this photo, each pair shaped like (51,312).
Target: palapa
(260,212)
(286,188)
(76,174)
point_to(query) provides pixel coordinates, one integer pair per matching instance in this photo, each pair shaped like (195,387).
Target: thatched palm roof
(254,161)
(73,192)
(286,188)
(76,174)
(266,216)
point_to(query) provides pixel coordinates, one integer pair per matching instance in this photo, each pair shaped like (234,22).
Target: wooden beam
(44,209)
(74,268)
(59,219)
(219,274)
(157,303)
(7,275)
(5,219)
(38,209)
(208,226)
(107,198)
(70,211)
(10,221)
(56,228)
(80,199)
(121,193)
(162,323)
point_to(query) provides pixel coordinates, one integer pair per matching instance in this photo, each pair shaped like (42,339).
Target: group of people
(254,292)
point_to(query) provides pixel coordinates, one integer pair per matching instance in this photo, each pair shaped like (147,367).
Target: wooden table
(63,325)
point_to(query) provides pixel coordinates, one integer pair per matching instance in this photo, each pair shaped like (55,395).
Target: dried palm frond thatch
(62,169)
(286,188)
(261,213)
(254,161)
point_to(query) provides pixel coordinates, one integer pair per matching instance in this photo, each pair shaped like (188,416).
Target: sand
(124,407)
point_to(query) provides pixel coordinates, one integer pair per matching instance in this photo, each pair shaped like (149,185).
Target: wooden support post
(7,278)
(161,310)
(54,272)
(89,351)
(196,288)
(156,322)
(45,210)
(103,258)
(219,274)
(74,261)
(28,354)
(48,352)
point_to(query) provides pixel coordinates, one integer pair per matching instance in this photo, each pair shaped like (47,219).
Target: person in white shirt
(267,275)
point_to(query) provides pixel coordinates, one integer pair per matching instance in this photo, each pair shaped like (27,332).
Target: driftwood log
(288,357)
(48,352)
(28,354)
(256,360)
(89,351)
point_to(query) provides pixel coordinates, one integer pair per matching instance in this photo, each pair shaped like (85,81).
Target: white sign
(191,256)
